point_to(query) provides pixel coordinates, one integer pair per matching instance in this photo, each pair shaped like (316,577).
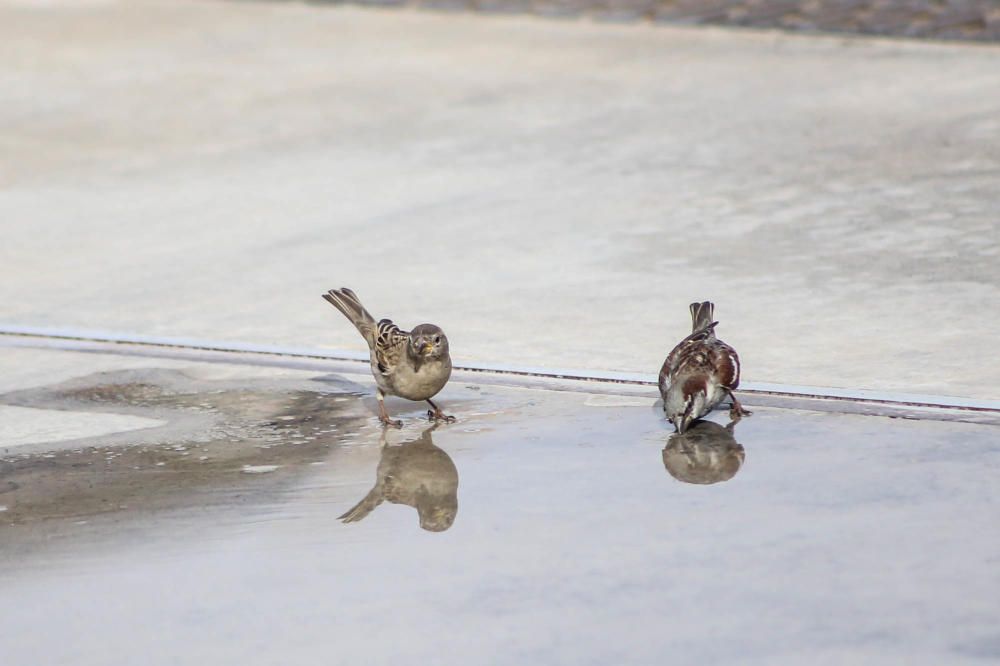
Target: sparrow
(705,453)
(414,365)
(699,372)
(418,474)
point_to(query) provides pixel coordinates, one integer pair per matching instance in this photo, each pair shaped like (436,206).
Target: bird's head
(427,341)
(438,518)
(695,390)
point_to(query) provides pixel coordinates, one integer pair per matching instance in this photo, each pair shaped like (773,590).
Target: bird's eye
(437,339)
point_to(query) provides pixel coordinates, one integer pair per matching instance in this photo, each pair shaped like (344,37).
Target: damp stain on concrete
(544,526)
(205,438)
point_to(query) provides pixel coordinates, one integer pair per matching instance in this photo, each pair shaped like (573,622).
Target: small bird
(414,365)
(418,474)
(706,453)
(700,372)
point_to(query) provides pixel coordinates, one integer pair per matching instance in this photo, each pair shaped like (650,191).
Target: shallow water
(543,527)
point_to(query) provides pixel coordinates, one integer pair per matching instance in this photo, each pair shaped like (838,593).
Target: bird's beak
(683,425)
(686,420)
(426,349)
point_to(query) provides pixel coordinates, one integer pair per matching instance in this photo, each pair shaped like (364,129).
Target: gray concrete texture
(550,193)
(937,19)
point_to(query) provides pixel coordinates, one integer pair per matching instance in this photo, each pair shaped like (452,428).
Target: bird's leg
(436,413)
(736,411)
(383,416)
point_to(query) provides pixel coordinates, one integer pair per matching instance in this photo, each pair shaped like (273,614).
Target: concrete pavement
(582,530)
(552,194)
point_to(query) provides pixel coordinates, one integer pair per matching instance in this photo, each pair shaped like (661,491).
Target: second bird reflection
(705,453)
(418,474)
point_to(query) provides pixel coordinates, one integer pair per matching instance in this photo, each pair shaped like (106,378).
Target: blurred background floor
(937,19)
(552,193)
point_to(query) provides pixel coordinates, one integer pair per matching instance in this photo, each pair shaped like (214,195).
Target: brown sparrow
(414,365)
(707,453)
(418,474)
(699,373)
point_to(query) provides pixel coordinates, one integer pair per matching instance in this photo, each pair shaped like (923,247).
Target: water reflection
(418,474)
(705,453)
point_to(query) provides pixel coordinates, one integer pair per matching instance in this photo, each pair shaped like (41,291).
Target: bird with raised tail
(418,474)
(410,364)
(700,372)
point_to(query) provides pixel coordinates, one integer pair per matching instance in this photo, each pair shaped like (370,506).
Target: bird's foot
(737,411)
(438,415)
(387,422)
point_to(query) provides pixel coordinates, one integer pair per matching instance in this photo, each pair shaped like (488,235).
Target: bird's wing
(727,364)
(683,351)
(390,345)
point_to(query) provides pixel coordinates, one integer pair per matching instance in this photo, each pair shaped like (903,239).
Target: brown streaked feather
(664,378)
(390,344)
(727,364)
(701,352)
(684,352)
(694,384)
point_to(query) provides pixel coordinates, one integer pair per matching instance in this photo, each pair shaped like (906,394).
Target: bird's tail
(348,303)
(364,507)
(702,315)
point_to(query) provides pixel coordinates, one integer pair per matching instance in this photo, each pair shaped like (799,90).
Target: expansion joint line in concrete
(110,342)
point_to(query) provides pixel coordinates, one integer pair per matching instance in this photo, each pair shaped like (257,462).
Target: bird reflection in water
(417,474)
(705,453)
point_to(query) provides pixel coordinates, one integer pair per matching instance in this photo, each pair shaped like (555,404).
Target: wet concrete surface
(214,432)
(542,527)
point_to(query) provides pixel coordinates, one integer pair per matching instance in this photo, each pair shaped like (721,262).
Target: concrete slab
(576,529)
(552,194)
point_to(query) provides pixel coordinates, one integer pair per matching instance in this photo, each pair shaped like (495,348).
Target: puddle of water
(213,434)
(706,453)
(585,535)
